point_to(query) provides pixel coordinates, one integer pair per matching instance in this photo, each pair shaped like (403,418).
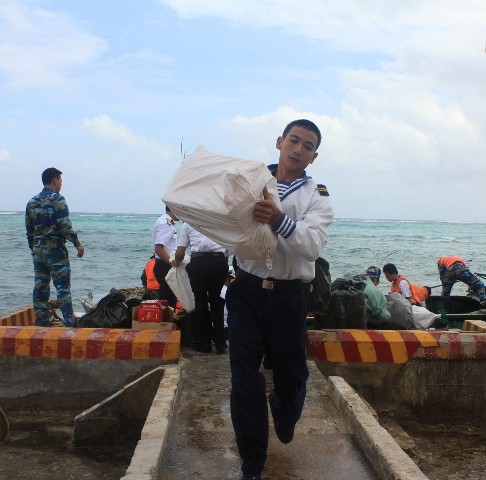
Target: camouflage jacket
(47,220)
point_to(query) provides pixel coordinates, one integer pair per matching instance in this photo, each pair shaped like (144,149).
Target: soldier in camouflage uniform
(48,227)
(453,269)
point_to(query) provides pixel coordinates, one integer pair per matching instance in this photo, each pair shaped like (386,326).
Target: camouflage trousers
(52,263)
(459,272)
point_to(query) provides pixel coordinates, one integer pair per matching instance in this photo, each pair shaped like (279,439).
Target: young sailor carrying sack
(216,194)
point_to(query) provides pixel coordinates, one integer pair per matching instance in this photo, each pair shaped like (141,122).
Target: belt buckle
(267,284)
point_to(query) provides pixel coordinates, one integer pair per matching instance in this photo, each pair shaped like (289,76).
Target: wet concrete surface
(39,447)
(441,450)
(201,442)
(202,446)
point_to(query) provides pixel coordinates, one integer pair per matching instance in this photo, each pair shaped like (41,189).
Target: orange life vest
(419,294)
(449,261)
(152,283)
(178,307)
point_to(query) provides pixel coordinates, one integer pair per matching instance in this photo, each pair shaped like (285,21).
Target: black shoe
(205,348)
(284,434)
(220,349)
(251,477)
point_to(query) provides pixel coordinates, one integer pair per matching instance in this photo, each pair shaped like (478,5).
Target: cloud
(370,135)
(378,26)
(397,89)
(104,127)
(39,47)
(378,163)
(5,157)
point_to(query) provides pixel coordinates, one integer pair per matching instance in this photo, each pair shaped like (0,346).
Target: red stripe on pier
(37,341)
(382,347)
(96,340)
(350,346)
(158,343)
(412,343)
(123,346)
(8,341)
(65,344)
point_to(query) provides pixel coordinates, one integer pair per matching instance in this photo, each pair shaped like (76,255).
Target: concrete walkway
(201,443)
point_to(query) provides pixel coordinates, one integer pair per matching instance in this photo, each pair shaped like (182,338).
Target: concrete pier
(188,431)
(201,440)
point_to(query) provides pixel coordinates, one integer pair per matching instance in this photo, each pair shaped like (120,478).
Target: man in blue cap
(377,313)
(374,275)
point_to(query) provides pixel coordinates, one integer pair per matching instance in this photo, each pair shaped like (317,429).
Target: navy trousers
(207,275)
(271,322)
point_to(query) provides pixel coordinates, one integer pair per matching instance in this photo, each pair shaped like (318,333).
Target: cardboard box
(135,314)
(153,311)
(169,326)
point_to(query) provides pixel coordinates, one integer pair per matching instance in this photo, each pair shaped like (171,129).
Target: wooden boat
(461,307)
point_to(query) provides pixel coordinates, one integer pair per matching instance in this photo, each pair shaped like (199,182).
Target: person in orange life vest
(164,239)
(453,269)
(413,293)
(149,280)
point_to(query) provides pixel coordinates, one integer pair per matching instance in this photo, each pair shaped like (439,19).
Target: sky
(113,93)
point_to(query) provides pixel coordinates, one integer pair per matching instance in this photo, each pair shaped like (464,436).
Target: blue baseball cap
(373,272)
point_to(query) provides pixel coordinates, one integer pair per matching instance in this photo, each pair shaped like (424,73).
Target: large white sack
(178,281)
(216,194)
(423,318)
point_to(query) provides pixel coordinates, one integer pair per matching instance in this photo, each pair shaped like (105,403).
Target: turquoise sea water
(117,247)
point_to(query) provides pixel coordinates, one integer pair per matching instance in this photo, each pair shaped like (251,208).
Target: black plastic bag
(133,302)
(347,309)
(347,306)
(319,293)
(354,284)
(111,312)
(185,323)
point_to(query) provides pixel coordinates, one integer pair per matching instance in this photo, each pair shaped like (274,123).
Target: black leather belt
(269,283)
(207,254)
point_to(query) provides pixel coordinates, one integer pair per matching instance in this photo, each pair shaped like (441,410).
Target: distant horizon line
(11,212)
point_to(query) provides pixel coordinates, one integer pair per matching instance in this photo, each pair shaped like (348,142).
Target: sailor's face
(297,148)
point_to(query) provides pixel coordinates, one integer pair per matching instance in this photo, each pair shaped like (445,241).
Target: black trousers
(161,269)
(207,275)
(271,322)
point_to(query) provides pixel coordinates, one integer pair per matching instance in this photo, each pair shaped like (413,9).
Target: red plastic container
(155,311)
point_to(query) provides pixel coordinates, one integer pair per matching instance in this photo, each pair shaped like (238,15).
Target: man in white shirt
(415,294)
(164,239)
(207,272)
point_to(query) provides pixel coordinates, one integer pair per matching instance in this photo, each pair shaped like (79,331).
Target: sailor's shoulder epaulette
(322,189)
